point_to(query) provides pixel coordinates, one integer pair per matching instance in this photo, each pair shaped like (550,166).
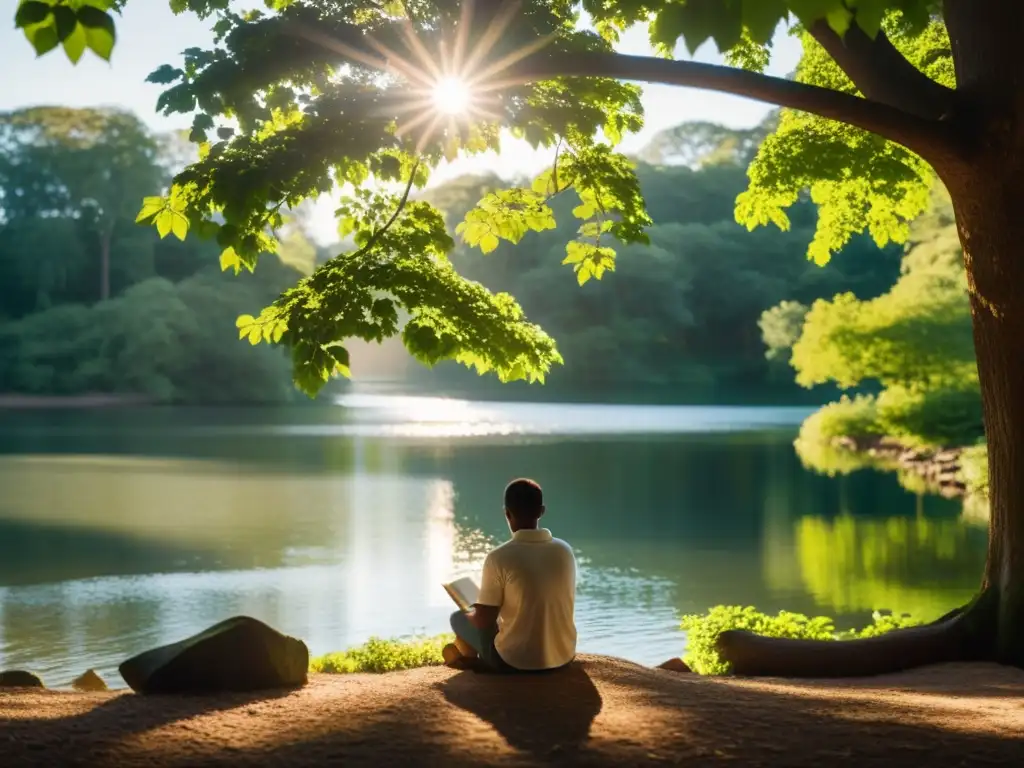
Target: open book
(463,591)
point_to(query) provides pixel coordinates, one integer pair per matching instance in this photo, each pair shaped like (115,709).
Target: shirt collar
(532,535)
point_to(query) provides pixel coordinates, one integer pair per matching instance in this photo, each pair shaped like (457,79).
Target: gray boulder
(17,678)
(239,654)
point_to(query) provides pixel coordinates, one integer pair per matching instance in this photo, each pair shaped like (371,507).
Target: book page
(464,592)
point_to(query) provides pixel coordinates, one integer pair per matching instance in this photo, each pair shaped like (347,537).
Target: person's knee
(458,622)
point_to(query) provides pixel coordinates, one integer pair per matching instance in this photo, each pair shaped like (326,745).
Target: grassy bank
(377,655)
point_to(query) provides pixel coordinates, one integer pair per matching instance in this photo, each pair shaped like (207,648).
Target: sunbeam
(447,90)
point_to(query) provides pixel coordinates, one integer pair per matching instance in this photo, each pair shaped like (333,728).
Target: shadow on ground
(601,712)
(544,715)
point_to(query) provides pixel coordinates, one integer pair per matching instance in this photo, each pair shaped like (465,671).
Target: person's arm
(484,616)
(492,593)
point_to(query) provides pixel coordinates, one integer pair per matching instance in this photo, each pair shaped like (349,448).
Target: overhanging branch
(925,137)
(883,74)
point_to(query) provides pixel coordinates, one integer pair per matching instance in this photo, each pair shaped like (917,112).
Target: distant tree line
(679,316)
(90,302)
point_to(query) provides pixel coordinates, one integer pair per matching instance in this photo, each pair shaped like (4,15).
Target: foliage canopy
(266,102)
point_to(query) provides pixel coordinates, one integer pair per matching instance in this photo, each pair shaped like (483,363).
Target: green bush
(702,631)
(974,469)
(934,417)
(377,655)
(848,417)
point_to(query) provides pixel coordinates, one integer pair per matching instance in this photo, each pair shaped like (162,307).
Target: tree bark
(987,190)
(883,74)
(106,237)
(929,138)
(986,200)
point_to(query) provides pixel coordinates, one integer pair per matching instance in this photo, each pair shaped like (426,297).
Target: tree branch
(372,241)
(928,138)
(883,74)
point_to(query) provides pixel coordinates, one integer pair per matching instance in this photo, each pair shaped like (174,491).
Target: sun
(452,96)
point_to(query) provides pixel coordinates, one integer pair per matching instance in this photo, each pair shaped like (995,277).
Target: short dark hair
(524,498)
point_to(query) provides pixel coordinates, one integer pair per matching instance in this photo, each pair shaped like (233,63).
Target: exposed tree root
(965,634)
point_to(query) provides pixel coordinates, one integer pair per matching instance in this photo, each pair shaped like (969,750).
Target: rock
(675,665)
(946,457)
(239,654)
(845,443)
(17,678)
(89,681)
(910,456)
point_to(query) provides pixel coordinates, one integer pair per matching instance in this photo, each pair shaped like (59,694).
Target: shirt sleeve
(492,584)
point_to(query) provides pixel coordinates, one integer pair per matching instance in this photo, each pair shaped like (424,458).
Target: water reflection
(159,526)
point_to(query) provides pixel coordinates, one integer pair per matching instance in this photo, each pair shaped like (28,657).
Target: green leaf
(165,75)
(100,42)
(43,38)
(697,21)
(762,17)
(868,15)
(589,260)
(229,260)
(576,252)
(243,323)
(164,222)
(31,12)
(179,226)
(151,206)
(839,20)
(488,242)
(75,43)
(100,34)
(66,21)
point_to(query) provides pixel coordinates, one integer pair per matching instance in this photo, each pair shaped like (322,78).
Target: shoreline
(940,468)
(71,402)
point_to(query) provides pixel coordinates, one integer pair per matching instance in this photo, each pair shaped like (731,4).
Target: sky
(149,35)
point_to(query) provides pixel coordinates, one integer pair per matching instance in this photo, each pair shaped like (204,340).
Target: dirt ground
(599,712)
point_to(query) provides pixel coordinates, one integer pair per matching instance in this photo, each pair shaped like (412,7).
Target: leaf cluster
(76,25)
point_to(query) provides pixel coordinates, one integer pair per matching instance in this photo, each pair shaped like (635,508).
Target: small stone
(675,665)
(911,457)
(89,681)
(17,678)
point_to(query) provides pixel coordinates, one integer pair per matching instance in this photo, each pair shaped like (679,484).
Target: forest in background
(679,319)
(90,302)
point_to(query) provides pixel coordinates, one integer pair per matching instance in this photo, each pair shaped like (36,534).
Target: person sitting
(523,620)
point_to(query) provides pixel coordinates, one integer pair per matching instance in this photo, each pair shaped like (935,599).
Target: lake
(123,529)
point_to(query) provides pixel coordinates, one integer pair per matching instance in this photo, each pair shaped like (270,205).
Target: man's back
(532,579)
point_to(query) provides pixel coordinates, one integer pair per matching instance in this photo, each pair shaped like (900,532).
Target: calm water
(120,530)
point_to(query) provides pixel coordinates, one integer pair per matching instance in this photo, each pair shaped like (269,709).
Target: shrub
(377,655)
(848,417)
(974,469)
(702,631)
(934,417)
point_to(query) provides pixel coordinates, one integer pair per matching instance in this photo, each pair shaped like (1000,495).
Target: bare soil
(599,712)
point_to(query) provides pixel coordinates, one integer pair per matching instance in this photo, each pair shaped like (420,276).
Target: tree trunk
(991,231)
(987,192)
(106,237)
(986,183)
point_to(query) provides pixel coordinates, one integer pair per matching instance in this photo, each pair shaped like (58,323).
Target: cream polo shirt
(532,580)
